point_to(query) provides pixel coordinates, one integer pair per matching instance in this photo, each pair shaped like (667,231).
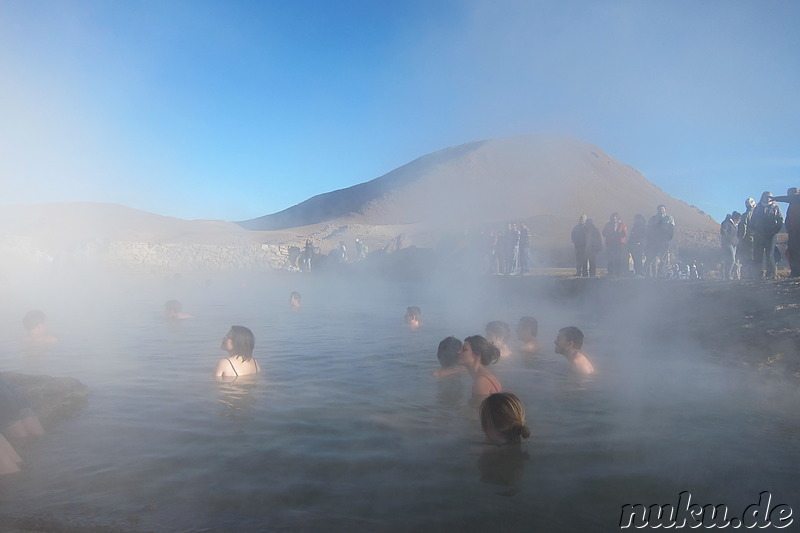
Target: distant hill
(56,227)
(546,181)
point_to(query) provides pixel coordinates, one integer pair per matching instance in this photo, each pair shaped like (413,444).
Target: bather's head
(527,329)
(497,332)
(412,316)
(239,341)
(448,352)
(33,320)
(477,347)
(503,418)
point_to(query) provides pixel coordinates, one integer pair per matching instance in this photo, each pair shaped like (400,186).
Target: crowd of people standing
(647,244)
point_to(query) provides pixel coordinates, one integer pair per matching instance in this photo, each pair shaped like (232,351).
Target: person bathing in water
(239,343)
(294,300)
(476,354)
(503,419)
(412,317)
(527,329)
(448,358)
(569,343)
(173,311)
(498,333)
(34,323)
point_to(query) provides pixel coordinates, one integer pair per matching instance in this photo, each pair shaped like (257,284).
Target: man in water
(660,230)
(294,300)
(412,317)
(569,343)
(792,228)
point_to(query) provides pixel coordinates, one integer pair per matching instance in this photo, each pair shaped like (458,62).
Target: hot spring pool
(347,431)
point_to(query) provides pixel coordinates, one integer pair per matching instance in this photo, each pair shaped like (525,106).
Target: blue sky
(233,110)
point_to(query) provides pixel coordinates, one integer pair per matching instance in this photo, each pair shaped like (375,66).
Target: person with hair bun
(239,343)
(476,354)
(503,419)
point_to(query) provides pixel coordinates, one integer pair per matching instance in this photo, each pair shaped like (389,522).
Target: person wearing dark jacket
(744,251)
(729,238)
(767,221)
(792,228)
(581,252)
(594,243)
(636,243)
(660,229)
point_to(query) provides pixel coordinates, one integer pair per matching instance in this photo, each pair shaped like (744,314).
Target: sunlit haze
(234,110)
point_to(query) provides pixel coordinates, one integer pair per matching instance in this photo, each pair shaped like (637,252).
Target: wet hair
(172,306)
(530,324)
(448,352)
(504,413)
(498,330)
(573,334)
(295,295)
(485,350)
(32,319)
(243,342)
(414,311)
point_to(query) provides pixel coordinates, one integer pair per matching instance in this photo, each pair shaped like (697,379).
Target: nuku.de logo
(692,515)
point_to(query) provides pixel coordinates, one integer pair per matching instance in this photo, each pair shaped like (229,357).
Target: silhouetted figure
(636,244)
(581,251)
(729,239)
(308,255)
(793,228)
(594,243)
(615,233)
(342,255)
(744,250)
(362,249)
(767,221)
(524,249)
(660,230)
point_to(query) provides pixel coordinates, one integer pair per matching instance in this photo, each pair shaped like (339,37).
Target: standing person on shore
(767,221)
(729,239)
(744,251)
(792,228)
(636,243)
(594,243)
(660,230)
(581,252)
(615,233)
(525,249)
